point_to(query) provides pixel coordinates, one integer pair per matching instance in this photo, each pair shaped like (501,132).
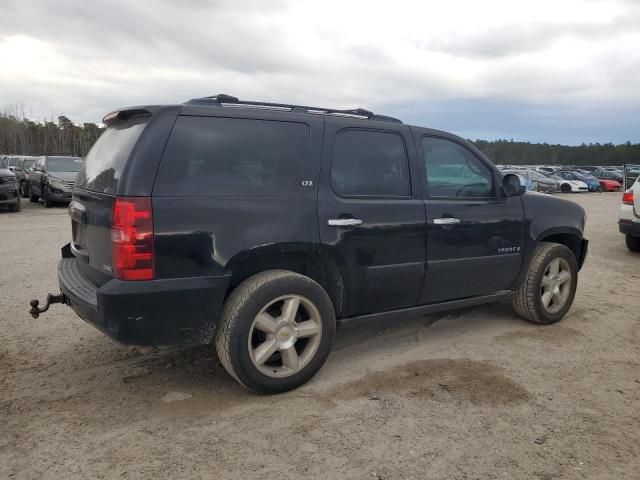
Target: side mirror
(512,185)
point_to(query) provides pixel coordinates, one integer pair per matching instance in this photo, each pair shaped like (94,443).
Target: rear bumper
(157,312)
(629,227)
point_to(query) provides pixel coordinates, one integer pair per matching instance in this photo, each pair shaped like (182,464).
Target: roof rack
(227,100)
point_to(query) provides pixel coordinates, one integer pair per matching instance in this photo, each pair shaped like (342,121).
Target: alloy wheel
(285,336)
(556,285)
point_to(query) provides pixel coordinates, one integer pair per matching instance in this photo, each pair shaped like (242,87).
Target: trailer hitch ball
(35,310)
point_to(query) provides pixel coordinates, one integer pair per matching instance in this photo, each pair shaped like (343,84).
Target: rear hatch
(91,208)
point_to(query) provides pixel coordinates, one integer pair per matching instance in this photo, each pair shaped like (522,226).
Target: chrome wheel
(556,285)
(285,336)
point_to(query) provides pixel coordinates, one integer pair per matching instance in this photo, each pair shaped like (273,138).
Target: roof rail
(228,100)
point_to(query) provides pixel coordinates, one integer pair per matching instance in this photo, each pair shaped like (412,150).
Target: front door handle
(446,221)
(344,222)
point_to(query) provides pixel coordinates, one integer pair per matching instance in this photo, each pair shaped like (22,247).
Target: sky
(555,71)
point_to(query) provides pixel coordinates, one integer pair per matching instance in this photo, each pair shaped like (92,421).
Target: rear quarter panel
(201,236)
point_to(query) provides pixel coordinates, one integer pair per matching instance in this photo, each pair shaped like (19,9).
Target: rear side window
(103,165)
(231,157)
(369,163)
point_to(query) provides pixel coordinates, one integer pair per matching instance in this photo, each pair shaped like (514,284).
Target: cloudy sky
(560,71)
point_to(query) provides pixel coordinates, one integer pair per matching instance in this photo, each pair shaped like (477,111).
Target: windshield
(63,164)
(27,164)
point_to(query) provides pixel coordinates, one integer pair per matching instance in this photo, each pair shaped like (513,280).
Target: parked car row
(551,179)
(49,178)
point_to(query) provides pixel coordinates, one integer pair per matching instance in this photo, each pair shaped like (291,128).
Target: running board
(435,307)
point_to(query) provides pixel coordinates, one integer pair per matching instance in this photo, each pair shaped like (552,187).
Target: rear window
(231,157)
(63,164)
(105,161)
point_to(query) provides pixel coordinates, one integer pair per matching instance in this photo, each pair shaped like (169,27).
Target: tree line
(508,152)
(22,136)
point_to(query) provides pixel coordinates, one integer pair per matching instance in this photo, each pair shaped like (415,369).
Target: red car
(609,185)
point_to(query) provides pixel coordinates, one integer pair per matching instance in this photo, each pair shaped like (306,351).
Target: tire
(24,189)
(238,336)
(633,243)
(529,297)
(565,188)
(33,198)
(45,198)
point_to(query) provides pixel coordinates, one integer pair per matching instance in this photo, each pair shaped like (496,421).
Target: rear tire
(33,198)
(549,287)
(298,344)
(633,243)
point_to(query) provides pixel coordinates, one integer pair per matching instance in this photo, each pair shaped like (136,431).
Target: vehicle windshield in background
(631,173)
(63,164)
(28,164)
(105,161)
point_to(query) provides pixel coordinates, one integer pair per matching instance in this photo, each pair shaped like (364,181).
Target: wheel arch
(569,237)
(318,262)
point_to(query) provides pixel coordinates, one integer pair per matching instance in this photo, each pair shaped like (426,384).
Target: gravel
(476,393)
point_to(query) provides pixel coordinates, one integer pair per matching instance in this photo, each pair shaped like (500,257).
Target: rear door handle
(446,221)
(344,222)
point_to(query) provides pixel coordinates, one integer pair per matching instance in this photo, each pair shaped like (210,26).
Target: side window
(368,163)
(228,157)
(452,171)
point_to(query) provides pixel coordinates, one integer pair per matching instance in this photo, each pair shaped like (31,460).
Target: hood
(547,181)
(5,172)
(612,183)
(65,176)
(550,213)
(577,183)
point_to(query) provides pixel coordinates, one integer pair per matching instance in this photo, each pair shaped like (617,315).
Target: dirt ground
(474,394)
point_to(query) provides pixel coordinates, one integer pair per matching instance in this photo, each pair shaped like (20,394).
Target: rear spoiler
(120,116)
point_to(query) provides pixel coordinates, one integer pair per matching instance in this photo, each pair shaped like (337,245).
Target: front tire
(276,331)
(565,188)
(633,243)
(548,290)
(45,198)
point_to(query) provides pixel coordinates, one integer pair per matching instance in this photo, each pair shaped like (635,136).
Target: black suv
(52,179)
(260,226)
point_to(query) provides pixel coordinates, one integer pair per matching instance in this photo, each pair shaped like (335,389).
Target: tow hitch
(35,311)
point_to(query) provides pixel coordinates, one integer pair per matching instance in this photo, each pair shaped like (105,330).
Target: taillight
(627,197)
(132,238)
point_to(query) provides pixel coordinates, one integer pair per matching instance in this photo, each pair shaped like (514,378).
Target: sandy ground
(473,394)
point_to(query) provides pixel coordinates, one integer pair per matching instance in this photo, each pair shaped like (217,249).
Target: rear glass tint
(231,157)
(105,161)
